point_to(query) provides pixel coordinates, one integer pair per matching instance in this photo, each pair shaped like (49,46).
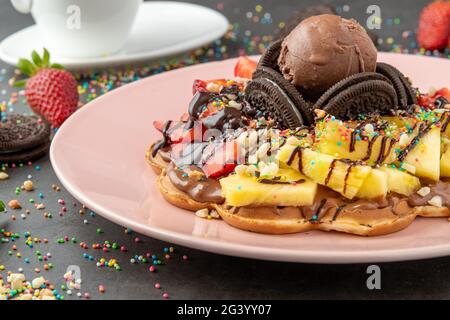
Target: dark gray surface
(204,275)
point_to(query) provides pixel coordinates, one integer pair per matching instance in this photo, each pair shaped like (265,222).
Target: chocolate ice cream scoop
(323,50)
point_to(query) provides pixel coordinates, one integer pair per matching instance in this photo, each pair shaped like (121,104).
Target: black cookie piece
(410,91)
(392,74)
(289,90)
(268,97)
(270,57)
(21,132)
(26,155)
(368,97)
(347,83)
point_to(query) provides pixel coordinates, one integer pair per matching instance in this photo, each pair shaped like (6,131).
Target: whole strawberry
(50,90)
(434,26)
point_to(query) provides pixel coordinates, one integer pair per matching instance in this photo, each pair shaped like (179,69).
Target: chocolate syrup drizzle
(162,143)
(423,129)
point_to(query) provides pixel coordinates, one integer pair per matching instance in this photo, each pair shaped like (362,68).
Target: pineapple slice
(339,139)
(425,156)
(445,159)
(375,186)
(243,190)
(341,176)
(400,182)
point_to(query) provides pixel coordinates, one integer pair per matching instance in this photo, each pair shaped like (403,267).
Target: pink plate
(98,155)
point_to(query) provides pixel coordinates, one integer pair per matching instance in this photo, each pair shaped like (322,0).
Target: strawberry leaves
(33,66)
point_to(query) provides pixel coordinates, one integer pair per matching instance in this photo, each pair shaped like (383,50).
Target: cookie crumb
(424,191)
(214,214)
(202,213)
(436,201)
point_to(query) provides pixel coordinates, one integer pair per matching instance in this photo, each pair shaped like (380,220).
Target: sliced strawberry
(198,85)
(185,117)
(223,160)
(244,67)
(201,85)
(194,134)
(159,125)
(176,131)
(443,92)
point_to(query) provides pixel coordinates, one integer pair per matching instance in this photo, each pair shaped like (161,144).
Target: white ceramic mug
(82,28)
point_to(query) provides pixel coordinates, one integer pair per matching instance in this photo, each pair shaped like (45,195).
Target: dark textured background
(205,275)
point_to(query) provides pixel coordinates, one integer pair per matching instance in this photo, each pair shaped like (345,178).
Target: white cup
(82,28)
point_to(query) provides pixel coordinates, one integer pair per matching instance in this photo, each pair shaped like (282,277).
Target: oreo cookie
(405,93)
(302,106)
(26,155)
(23,138)
(367,97)
(347,83)
(269,58)
(268,97)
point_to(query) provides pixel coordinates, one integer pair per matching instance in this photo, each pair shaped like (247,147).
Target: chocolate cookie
(270,57)
(405,93)
(268,97)
(345,84)
(23,138)
(302,106)
(26,155)
(367,97)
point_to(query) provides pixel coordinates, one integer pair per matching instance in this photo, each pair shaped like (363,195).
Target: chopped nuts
(404,140)
(28,185)
(424,191)
(436,201)
(292,141)
(235,105)
(251,169)
(3,175)
(369,128)
(214,214)
(202,213)
(320,114)
(263,150)
(241,169)
(213,87)
(270,170)
(196,174)
(261,165)
(14,204)
(40,206)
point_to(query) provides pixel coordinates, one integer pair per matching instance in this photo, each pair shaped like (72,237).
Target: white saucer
(161,29)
